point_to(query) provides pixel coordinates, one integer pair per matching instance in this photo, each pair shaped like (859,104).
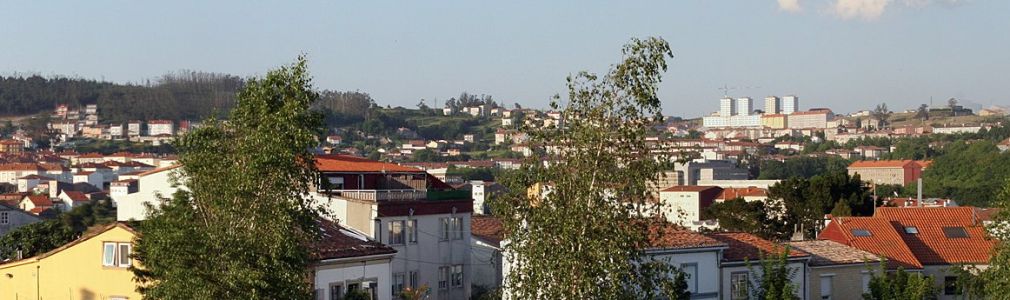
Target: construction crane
(726,88)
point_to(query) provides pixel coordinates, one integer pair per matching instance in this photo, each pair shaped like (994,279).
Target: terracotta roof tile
(689,188)
(745,246)
(882,240)
(826,253)
(669,236)
(340,242)
(487,228)
(733,193)
(347,163)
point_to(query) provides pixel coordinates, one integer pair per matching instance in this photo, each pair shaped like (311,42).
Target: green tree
(776,277)
(900,285)
(601,171)
(245,201)
(37,238)
(752,217)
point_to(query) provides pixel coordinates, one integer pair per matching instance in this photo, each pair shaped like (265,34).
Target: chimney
(919,191)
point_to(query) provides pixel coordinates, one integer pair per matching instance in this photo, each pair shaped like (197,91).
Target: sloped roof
(931,245)
(881,163)
(664,235)
(77,196)
(746,246)
(340,242)
(827,253)
(487,228)
(689,188)
(348,163)
(733,193)
(40,200)
(883,240)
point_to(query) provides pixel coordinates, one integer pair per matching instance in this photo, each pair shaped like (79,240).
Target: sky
(846,55)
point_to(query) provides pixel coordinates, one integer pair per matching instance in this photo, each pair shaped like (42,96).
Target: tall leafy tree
(571,223)
(244,202)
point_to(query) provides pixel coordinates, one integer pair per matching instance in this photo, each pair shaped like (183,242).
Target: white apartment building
(133,128)
(810,119)
(744,106)
(773,105)
(160,127)
(790,104)
(727,107)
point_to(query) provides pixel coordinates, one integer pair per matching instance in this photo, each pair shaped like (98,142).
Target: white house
(697,255)
(738,279)
(91,178)
(349,260)
(409,210)
(683,204)
(160,127)
(486,260)
(150,186)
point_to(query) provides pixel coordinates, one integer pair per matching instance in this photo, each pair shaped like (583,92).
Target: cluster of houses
(77,123)
(396,226)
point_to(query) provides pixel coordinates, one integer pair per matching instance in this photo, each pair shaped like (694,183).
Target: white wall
(681,207)
(149,188)
(486,261)
(349,271)
(706,286)
(430,253)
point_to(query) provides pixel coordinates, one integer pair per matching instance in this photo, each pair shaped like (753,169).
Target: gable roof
(829,253)
(883,240)
(746,246)
(340,242)
(88,234)
(39,200)
(76,196)
(733,193)
(348,163)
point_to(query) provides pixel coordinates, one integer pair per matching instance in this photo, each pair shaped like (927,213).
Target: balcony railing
(381,195)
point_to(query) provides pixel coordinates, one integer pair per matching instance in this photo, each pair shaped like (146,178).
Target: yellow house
(94,267)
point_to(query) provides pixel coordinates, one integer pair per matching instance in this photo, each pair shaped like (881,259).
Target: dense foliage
(755,217)
(246,202)
(803,166)
(901,285)
(971,173)
(183,95)
(41,237)
(775,282)
(600,172)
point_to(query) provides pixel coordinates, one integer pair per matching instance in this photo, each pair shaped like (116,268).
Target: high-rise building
(790,104)
(727,107)
(744,106)
(773,105)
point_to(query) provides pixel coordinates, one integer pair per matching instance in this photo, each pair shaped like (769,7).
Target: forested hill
(176,96)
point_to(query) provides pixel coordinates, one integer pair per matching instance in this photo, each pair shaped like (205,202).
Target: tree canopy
(245,201)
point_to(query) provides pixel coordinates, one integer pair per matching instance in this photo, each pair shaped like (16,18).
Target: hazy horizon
(843,54)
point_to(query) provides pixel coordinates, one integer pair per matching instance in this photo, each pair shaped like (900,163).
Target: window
(866,282)
(738,286)
(955,232)
(336,183)
(396,233)
(412,231)
(860,232)
(116,254)
(365,286)
(4,218)
(452,228)
(457,276)
(413,279)
(443,278)
(826,282)
(124,255)
(398,279)
(950,286)
(911,230)
(691,274)
(336,291)
(109,254)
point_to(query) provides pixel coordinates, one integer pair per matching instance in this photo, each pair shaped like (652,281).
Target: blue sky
(842,54)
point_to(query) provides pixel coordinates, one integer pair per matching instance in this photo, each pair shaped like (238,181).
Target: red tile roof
(347,163)
(927,244)
(487,228)
(733,193)
(40,200)
(746,246)
(828,253)
(77,196)
(881,163)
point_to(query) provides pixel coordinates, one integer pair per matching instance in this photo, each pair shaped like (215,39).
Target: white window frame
(732,285)
(411,230)
(830,286)
(119,255)
(413,279)
(109,256)
(692,277)
(396,238)
(399,281)
(4,217)
(115,258)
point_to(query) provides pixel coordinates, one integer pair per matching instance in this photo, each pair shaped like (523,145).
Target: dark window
(950,286)
(955,232)
(860,232)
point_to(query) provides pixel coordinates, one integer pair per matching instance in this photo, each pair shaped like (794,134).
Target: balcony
(381,195)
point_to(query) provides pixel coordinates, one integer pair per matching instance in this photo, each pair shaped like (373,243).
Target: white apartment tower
(727,107)
(790,104)
(773,105)
(744,106)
